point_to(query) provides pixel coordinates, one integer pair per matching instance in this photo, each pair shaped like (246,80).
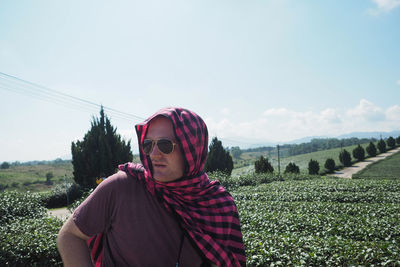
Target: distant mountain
(376,135)
(359,135)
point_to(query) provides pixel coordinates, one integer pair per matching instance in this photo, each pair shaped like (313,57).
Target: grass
(387,168)
(33,178)
(300,160)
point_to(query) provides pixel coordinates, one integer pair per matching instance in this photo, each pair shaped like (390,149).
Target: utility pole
(279,163)
(66,188)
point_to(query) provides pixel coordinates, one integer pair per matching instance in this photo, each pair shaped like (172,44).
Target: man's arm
(72,245)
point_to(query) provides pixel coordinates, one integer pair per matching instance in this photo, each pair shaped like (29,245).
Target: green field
(300,160)
(33,178)
(387,168)
(321,222)
(303,221)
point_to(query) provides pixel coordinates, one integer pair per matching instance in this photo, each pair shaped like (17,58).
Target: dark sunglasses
(164,145)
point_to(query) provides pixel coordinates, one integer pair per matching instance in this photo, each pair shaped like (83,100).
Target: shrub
(15,205)
(330,165)
(391,142)
(263,166)
(30,242)
(292,168)
(398,140)
(345,158)
(371,149)
(313,167)
(49,175)
(57,198)
(359,153)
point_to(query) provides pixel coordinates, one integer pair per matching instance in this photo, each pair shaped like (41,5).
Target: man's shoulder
(119,179)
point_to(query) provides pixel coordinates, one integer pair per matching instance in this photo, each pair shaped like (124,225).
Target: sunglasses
(164,145)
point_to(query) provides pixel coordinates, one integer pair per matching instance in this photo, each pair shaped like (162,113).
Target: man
(163,212)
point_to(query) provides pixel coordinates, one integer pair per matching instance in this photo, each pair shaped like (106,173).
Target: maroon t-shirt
(138,230)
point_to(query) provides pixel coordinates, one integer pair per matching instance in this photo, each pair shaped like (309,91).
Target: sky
(256,71)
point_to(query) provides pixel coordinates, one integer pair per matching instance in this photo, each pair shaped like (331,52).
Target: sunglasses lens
(165,146)
(147,145)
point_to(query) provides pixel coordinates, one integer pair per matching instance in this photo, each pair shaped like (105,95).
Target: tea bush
(30,242)
(27,236)
(16,205)
(321,222)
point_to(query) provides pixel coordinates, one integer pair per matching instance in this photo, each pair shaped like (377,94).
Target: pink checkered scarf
(206,211)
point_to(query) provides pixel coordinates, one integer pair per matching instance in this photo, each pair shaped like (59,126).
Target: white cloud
(393,113)
(282,124)
(383,6)
(387,5)
(367,111)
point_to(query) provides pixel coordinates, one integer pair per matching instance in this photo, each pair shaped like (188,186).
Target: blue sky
(256,71)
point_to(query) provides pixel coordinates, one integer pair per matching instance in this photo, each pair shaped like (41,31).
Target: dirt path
(62,213)
(349,171)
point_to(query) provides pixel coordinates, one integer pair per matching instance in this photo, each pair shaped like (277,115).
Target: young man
(163,212)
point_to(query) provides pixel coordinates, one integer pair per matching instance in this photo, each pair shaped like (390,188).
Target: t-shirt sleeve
(96,213)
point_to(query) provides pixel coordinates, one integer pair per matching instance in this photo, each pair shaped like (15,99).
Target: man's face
(166,167)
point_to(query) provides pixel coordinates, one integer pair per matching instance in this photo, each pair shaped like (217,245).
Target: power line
(15,84)
(37,91)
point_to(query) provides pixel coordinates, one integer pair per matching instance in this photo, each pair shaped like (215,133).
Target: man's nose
(155,152)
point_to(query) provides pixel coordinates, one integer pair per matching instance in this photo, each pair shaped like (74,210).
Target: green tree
(345,158)
(359,153)
(99,153)
(330,165)
(218,159)
(382,146)
(262,165)
(5,165)
(292,168)
(371,149)
(49,175)
(236,152)
(313,167)
(391,142)
(398,140)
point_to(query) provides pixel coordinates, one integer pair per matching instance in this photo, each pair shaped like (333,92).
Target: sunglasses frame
(155,142)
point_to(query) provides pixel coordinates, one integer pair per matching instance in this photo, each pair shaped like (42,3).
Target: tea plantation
(321,222)
(294,220)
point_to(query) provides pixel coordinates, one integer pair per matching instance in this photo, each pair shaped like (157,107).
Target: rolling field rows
(388,168)
(300,160)
(321,222)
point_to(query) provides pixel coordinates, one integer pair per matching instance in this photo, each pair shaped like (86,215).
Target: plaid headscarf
(205,210)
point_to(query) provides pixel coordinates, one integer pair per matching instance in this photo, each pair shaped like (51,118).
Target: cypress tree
(292,168)
(359,153)
(313,167)
(345,158)
(382,146)
(262,165)
(218,159)
(391,142)
(99,153)
(330,165)
(371,149)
